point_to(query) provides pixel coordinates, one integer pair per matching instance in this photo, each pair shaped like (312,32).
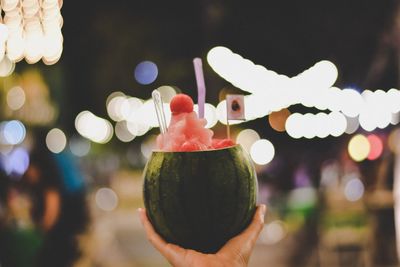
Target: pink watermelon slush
(187,132)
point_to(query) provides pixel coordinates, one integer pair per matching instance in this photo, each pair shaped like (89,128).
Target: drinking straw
(201,86)
(159,111)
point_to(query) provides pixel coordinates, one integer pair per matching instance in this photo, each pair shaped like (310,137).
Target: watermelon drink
(198,192)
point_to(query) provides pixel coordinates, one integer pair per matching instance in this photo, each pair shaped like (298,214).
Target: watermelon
(200,199)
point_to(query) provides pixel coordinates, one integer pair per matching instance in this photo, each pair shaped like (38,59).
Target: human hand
(235,253)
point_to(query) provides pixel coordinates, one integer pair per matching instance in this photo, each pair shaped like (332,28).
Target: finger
(171,252)
(243,243)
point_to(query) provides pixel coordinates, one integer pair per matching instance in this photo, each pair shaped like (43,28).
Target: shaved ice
(187,132)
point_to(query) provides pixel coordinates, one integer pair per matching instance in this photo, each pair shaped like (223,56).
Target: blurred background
(77,125)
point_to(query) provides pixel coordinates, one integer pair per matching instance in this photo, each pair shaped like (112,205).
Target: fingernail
(263,209)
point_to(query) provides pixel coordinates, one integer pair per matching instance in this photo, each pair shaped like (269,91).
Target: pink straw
(201,86)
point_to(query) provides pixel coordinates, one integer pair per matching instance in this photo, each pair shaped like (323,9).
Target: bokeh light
(93,127)
(262,152)
(210,114)
(273,232)
(359,147)
(148,146)
(106,199)
(56,140)
(12,132)
(354,189)
(15,98)
(277,120)
(146,72)
(16,162)
(246,138)
(122,132)
(376,147)
(167,93)
(79,146)
(6,67)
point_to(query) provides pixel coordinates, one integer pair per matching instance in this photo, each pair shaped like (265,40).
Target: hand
(235,253)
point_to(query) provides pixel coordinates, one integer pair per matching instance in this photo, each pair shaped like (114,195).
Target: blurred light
(262,152)
(352,125)
(79,146)
(321,127)
(3,33)
(147,114)
(129,108)
(122,132)
(330,175)
(146,72)
(6,67)
(167,93)
(94,128)
(395,118)
(56,140)
(354,189)
(32,29)
(337,123)
(394,141)
(12,132)
(137,128)
(359,147)
(294,125)
(114,95)
(273,232)
(210,114)
(393,100)
(277,120)
(246,138)
(114,107)
(15,98)
(352,102)
(16,162)
(148,146)
(5,148)
(376,147)
(106,199)
(302,197)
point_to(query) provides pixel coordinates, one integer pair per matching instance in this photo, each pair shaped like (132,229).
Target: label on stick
(235,107)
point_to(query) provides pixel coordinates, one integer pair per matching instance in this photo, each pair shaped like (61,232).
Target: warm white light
(56,140)
(6,67)
(246,138)
(337,123)
(294,125)
(167,93)
(114,107)
(352,102)
(129,108)
(3,33)
(262,152)
(94,128)
(359,147)
(122,132)
(321,125)
(15,98)
(273,232)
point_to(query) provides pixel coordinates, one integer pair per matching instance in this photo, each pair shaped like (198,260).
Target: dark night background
(105,40)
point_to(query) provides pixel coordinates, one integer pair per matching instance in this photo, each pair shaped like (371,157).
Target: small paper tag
(235,107)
